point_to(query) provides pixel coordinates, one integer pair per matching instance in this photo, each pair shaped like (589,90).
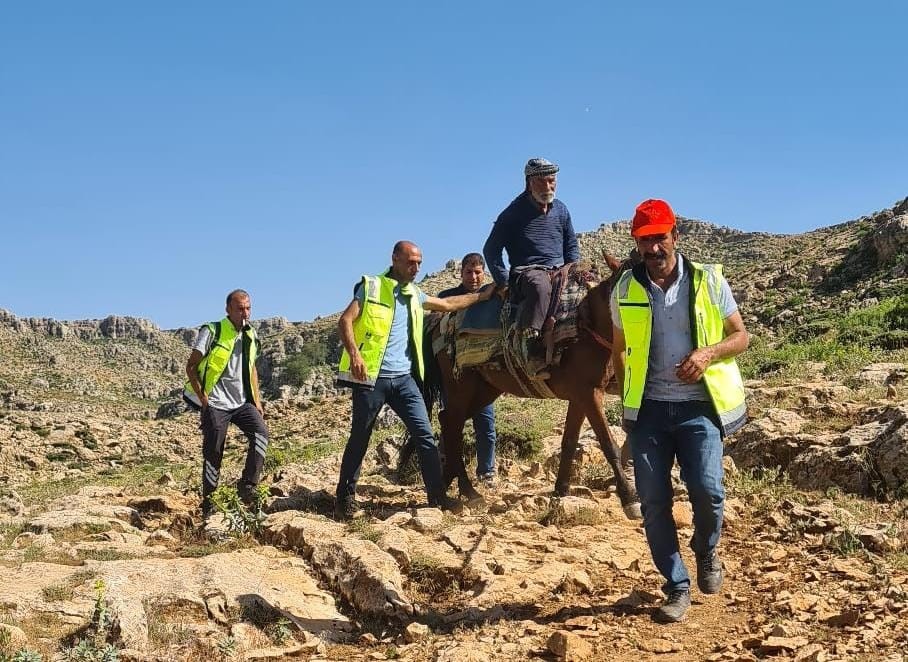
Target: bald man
(381,331)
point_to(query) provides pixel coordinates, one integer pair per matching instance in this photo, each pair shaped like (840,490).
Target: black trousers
(214,435)
(533,289)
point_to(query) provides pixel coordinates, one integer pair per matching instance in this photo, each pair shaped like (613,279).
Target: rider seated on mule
(536,231)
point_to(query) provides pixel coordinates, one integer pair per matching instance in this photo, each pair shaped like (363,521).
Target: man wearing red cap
(677,330)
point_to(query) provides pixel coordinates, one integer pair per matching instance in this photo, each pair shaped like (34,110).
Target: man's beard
(543,198)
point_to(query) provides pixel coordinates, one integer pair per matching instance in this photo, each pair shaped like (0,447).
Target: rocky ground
(812,574)
(103,555)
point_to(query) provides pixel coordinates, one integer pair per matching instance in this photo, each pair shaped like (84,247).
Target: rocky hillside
(781,281)
(103,556)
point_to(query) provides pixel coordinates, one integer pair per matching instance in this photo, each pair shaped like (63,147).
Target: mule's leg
(484,394)
(572,423)
(452,419)
(626,492)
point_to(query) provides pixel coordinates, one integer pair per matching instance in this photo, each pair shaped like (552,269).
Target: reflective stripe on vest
(722,378)
(372,329)
(212,366)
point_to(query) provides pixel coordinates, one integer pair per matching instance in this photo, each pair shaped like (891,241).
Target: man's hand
(358,367)
(502,292)
(692,367)
(204,401)
(260,408)
(487,292)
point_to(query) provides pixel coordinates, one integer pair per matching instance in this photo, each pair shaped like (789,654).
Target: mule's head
(597,300)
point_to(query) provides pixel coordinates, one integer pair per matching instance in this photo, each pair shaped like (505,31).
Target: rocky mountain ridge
(102,549)
(778,280)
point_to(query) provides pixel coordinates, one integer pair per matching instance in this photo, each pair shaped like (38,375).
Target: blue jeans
(686,431)
(484,427)
(403,396)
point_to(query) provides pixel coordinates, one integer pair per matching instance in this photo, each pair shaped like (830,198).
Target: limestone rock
(428,519)
(365,575)
(11,505)
(415,632)
(772,440)
(570,510)
(569,647)
(881,374)
(822,467)
(15,638)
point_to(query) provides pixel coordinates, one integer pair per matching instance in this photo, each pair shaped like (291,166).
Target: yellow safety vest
(212,366)
(372,328)
(722,378)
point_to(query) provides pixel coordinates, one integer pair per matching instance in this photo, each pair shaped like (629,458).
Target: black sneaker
(246,493)
(347,509)
(444,502)
(674,607)
(206,508)
(710,573)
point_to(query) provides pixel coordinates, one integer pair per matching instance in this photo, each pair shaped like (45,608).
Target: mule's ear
(611,261)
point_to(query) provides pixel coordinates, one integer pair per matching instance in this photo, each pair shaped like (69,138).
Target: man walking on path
(472,274)
(537,233)
(224,384)
(676,331)
(382,334)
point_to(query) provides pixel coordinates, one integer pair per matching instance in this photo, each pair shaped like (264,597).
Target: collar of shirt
(679,269)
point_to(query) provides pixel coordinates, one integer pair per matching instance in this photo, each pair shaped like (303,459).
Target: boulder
(772,440)
(881,374)
(845,467)
(890,450)
(569,647)
(364,574)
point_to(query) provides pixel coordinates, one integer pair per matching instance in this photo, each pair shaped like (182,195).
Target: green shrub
(897,316)
(299,366)
(813,329)
(893,339)
(516,439)
(240,519)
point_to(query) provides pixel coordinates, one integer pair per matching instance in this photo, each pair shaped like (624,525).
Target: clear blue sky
(155,155)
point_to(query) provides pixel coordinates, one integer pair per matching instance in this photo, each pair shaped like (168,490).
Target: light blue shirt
(671,340)
(397,360)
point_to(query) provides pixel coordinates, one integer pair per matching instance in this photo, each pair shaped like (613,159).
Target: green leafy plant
(846,543)
(23,655)
(240,519)
(279,632)
(227,647)
(95,647)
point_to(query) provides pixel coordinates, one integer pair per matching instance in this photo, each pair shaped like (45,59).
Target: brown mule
(580,378)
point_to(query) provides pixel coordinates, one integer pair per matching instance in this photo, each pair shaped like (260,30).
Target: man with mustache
(224,385)
(472,275)
(538,235)
(676,332)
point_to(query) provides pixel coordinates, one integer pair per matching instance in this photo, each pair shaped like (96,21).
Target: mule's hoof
(633,511)
(469,493)
(562,490)
(474,501)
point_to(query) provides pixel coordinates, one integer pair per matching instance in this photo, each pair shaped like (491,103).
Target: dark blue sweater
(530,237)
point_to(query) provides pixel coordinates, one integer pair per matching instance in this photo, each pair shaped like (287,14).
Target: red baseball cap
(652,217)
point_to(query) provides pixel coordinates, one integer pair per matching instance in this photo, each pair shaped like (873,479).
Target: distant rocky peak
(112,326)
